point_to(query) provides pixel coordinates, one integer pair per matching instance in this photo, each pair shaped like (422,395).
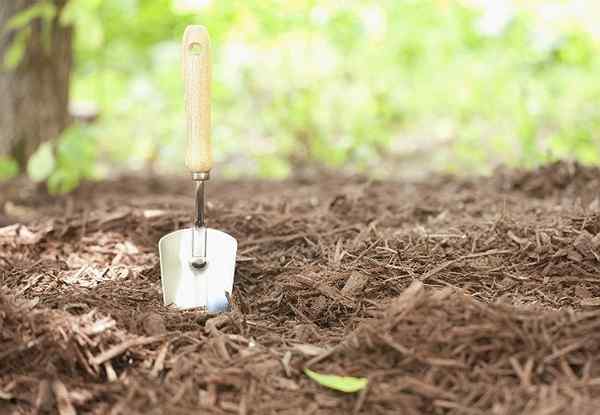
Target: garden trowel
(197,264)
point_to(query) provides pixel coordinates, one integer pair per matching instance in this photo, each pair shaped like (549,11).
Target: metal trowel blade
(187,287)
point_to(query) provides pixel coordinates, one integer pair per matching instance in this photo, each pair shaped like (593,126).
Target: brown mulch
(453,296)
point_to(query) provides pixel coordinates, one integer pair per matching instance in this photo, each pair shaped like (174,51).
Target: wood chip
(122,348)
(159,363)
(355,284)
(44,400)
(154,324)
(213,325)
(20,235)
(444,293)
(285,384)
(309,349)
(5,396)
(111,375)
(408,300)
(334,294)
(63,403)
(590,302)
(285,362)
(101,326)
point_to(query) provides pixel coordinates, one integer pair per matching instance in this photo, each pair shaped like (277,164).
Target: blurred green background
(393,88)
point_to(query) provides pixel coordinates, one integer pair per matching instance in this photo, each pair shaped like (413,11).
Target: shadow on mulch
(455,296)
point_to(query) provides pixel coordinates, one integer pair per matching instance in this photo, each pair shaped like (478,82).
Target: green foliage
(15,52)
(44,10)
(65,163)
(42,163)
(341,84)
(8,168)
(76,154)
(576,49)
(83,15)
(355,84)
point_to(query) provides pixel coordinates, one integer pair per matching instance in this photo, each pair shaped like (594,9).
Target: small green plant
(8,168)
(68,161)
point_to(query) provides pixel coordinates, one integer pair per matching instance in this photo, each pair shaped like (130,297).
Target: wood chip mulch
(451,296)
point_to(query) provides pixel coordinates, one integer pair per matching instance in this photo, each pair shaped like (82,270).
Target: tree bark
(34,97)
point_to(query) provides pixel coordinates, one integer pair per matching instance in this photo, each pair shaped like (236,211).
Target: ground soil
(452,296)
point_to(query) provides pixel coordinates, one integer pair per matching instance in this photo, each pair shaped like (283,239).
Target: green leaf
(87,19)
(41,164)
(76,150)
(44,10)
(15,52)
(63,181)
(273,167)
(75,9)
(340,383)
(8,168)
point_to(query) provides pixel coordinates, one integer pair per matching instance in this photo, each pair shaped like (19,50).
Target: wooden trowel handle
(197,79)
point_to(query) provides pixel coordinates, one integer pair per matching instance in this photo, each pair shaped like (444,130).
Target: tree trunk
(34,97)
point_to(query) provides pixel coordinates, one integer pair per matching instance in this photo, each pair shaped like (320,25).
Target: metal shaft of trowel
(199,239)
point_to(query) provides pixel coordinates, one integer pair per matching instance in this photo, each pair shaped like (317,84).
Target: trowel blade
(187,287)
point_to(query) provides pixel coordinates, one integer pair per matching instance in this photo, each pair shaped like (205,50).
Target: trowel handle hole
(195,48)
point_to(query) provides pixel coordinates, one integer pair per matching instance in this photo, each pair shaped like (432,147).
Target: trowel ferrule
(200,175)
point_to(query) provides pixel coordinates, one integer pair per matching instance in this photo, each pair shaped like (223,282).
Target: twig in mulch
(363,253)
(159,363)
(122,348)
(21,347)
(362,397)
(446,264)
(63,402)
(300,314)
(322,356)
(289,238)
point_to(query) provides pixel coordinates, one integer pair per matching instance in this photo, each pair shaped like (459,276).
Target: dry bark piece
(318,306)
(582,292)
(521,241)
(154,324)
(328,291)
(122,348)
(355,284)
(574,255)
(444,293)
(408,300)
(111,375)
(5,396)
(584,243)
(45,398)
(309,349)
(63,402)
(159,363)
(596,241)
(286,384)
(20,235)
(213,324)
(590,302)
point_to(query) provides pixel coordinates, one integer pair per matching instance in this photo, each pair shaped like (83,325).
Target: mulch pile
(452,296)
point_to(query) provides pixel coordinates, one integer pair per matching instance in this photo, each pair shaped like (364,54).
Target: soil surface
(452,296)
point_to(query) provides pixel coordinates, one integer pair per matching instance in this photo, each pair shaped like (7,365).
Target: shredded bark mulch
(451,296)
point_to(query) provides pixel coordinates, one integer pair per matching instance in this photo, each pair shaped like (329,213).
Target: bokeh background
(391,88)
